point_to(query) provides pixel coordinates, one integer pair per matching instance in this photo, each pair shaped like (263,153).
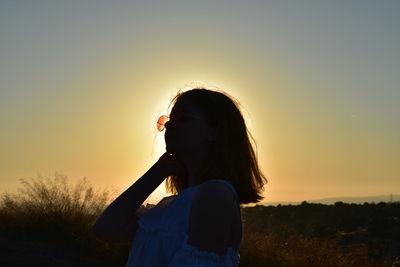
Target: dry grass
(51,211)
(295,250)
(49,222)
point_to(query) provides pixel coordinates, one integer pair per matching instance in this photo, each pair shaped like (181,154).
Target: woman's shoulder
(216,199)
(215,213)
(218,186)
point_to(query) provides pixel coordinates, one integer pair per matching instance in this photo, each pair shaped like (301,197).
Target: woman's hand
(169,164)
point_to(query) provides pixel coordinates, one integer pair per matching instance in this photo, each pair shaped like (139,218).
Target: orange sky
(82,88)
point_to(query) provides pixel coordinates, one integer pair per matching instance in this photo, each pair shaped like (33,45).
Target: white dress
(161,238)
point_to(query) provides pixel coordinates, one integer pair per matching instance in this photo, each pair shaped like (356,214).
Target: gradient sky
(83,82)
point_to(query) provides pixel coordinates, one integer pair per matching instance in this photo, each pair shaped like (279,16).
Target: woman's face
(186,131)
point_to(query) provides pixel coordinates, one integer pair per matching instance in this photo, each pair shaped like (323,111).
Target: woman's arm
(118,221)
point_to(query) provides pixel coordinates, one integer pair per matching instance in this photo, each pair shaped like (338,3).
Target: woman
(211,169)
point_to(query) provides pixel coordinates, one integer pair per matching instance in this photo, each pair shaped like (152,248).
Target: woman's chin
(170,149)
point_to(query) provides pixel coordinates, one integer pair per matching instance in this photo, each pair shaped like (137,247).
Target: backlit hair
(231,156)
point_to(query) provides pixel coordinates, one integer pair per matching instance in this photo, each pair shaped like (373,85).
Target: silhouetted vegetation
(322,235)
(49,224)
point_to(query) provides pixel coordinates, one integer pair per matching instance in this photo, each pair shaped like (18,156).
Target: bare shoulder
(215,193)
(213,216)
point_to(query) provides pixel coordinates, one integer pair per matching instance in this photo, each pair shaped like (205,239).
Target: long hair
(231,155)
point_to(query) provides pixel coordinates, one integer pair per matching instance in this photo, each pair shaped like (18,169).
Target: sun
(162,106)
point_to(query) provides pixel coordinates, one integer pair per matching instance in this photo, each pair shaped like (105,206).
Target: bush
(54,212)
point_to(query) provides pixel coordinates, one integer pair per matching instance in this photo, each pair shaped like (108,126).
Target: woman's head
(210,121)
(187,131)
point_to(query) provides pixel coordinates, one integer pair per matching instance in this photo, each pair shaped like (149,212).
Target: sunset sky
(83,83)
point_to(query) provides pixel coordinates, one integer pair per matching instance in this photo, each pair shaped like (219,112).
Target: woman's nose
(168,125)
(172,123)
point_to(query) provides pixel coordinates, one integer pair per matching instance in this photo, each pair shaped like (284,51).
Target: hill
(332,200)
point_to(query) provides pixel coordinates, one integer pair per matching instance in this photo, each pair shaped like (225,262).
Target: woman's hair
(231,155)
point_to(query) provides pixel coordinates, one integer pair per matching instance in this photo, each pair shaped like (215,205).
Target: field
(49,224)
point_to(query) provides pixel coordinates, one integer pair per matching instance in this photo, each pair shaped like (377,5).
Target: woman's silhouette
(211,168)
